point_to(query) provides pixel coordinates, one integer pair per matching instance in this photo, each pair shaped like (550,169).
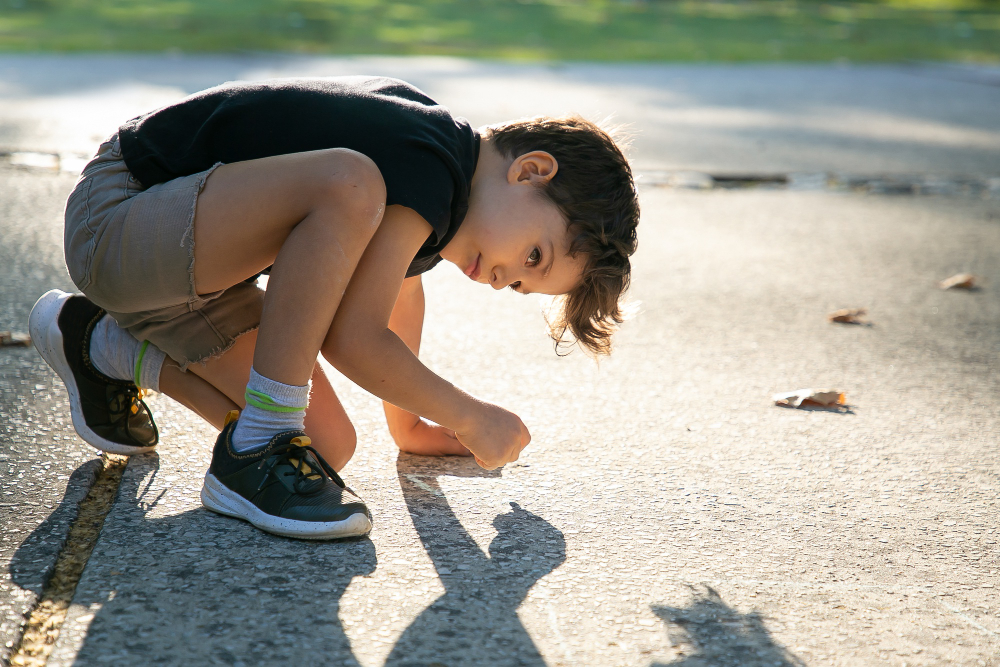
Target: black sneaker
(286,488)
(107,413)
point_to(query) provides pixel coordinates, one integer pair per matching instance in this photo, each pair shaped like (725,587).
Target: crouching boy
(345,190)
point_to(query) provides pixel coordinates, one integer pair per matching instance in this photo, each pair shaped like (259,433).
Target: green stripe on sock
(259,399)
(138,362)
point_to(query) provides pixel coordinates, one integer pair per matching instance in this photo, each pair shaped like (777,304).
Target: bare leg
(212,389)
(195,393)
(311,215)
(327,423)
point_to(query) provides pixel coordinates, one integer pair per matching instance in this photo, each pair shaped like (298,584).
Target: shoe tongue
(311,478)
(119,402)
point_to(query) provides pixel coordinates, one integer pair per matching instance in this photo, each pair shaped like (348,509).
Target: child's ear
(535,168)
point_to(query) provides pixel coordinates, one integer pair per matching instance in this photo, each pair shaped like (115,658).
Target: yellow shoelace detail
(135,403)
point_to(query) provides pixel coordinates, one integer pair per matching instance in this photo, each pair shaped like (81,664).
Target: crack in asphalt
(46,618)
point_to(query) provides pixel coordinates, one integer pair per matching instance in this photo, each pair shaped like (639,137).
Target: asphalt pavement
(45,469)
(666,513)
(910,118)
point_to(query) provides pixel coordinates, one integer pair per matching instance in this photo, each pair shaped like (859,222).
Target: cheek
(501,244)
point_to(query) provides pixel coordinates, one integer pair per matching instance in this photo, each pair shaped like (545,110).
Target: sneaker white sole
(219,498)
(43,325)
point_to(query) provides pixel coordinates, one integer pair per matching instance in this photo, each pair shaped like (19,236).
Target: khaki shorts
(130,249)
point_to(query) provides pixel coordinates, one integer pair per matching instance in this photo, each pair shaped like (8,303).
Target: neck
(489,164)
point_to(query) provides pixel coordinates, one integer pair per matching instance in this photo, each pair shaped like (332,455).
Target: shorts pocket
(78,239)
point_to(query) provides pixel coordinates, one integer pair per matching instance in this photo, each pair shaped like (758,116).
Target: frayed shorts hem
(130,250)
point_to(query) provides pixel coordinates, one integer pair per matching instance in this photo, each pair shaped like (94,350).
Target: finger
(482,464)
(448,432)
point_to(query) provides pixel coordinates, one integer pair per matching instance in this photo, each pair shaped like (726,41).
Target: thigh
(248,209)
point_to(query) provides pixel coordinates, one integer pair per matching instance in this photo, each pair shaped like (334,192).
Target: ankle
(271,408)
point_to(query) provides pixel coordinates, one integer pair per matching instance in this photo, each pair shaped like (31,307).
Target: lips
(473,271)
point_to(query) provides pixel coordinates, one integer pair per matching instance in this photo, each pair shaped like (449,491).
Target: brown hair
(595,191)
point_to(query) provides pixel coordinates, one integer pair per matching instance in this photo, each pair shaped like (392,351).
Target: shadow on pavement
(835,409)
(721,636)
(475,621)
(32,563)
(197,588)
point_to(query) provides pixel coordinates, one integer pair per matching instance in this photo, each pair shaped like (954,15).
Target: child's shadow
(194,588)
(717,634)
(475,621)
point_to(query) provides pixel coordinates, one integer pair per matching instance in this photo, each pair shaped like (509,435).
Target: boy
(345,190)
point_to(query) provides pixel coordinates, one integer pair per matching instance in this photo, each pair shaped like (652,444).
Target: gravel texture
(45,469)
(666,512)
(729,119)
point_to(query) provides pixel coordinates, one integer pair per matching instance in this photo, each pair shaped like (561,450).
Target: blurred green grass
(653,30)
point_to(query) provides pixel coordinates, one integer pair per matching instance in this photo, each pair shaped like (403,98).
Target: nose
(500,277)
(497,278)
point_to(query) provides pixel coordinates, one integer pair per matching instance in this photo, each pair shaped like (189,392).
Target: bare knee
(352,183)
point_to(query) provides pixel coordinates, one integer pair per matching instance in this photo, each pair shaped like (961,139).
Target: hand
(413,435)
(496,437)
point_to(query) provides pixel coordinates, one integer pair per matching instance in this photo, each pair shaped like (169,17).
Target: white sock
(117,354)
(272,408)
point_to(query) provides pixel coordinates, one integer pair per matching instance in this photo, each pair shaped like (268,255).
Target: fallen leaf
(823,398)
(960,281)
(849,316)
(13,339)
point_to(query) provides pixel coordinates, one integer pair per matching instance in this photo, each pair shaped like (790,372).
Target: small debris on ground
(849,316)
(14,339)
(960,281)
(825,398)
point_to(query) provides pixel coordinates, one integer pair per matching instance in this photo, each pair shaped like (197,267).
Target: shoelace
(125,402)
(297,456)
(134,404)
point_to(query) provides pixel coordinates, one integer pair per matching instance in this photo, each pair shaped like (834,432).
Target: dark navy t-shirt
(427,156)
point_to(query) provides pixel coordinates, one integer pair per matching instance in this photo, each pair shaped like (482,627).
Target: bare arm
(362,347)
(412,434)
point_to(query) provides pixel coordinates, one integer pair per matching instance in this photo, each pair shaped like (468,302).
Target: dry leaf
(823,398)
(849,316)
(960,281)
(13,339)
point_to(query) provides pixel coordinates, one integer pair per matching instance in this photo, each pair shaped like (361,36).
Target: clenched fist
(495,437)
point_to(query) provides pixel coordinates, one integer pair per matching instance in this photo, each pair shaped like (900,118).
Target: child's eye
(514,285)
(535,257)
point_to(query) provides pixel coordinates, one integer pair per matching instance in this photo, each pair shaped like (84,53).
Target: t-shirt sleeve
(421,181)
